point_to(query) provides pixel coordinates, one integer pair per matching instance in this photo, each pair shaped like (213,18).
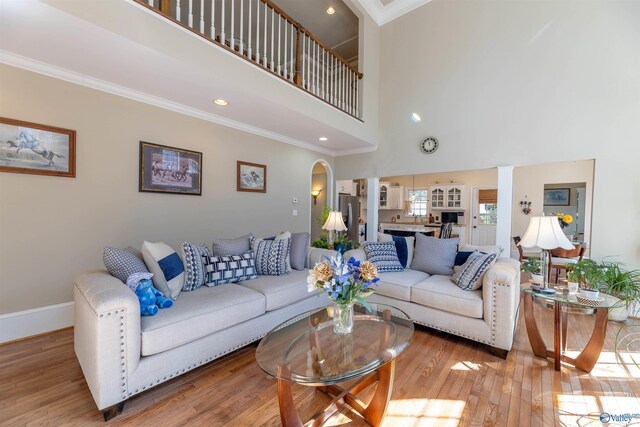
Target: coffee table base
(373,413)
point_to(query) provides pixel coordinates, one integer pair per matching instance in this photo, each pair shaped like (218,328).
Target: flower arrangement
(344,282)
(564,219)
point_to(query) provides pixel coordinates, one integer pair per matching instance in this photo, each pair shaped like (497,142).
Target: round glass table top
(563,296)
(305,350)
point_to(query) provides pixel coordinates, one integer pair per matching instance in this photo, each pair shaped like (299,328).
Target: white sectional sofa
(123,354)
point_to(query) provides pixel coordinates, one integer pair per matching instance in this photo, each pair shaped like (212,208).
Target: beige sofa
(123,354)
(487,315)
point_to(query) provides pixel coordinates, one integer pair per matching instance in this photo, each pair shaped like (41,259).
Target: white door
(484,216)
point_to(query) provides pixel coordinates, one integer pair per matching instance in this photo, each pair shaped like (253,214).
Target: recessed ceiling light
(322,138)
(416,117)
(331,10)
(220,101)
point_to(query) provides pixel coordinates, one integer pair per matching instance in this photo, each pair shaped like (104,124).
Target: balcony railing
(262,33)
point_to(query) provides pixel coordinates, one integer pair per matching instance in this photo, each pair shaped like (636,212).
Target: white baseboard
(36,321)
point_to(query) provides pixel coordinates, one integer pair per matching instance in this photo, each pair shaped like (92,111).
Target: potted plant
(623,285)
(588,274)
(322,242)
(533,266)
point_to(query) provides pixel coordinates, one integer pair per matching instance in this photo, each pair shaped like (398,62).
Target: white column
(505,201)
(372,209)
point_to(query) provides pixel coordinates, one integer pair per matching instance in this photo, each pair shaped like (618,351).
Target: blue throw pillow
(469,277)
(193,265)
(462,257)
(271,256)
(228,269)
(383,255)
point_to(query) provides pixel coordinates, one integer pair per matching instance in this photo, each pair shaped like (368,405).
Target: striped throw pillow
(383,255)
(470,275)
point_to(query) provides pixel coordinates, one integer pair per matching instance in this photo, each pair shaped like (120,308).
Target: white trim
(373,199)
(382,14)
(348,152)
(22,324)
(505,204)
(39,67)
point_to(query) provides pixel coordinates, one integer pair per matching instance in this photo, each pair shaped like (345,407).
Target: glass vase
(343,318)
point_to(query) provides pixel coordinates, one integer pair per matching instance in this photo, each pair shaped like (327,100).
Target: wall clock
(429,145)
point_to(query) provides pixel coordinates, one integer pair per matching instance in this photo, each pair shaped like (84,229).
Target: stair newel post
(297,78)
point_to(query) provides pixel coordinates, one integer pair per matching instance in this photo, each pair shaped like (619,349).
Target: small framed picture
(252,177)
(37,149)
(557,197)
(170,170)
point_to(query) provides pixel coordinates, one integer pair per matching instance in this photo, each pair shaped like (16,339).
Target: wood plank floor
(440,380)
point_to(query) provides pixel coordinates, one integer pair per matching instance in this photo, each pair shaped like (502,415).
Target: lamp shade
(334,222)
(544,232)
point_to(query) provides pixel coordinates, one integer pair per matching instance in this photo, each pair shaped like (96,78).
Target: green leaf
(362,301)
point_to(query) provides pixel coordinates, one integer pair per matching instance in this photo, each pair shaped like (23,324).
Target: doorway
(321,196)
(484,214)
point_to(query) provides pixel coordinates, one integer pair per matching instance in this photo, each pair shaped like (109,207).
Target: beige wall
(517,83)
(530,181)
(53,228)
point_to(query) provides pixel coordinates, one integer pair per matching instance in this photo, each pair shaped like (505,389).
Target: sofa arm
(106,335)
(315,255)
(501,294)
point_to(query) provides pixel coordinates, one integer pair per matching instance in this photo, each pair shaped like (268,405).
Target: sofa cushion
(299,248)
(470,275)
(283,236)
(281,291)
(357,254)
(271,255)
(489,249)
(228,247)
(383,255)
(219,270)
(166,266)
(404,246)
(193,265)
(441,293)
(197,314)
(122,263)
(398,284)
(433,255)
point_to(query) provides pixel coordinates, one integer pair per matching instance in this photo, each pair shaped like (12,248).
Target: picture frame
(36,149)
(557,197)
(169,170)
(251,177)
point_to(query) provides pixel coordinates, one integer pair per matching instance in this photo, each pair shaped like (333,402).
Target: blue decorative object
(150,298)
(401,249)
(462,257)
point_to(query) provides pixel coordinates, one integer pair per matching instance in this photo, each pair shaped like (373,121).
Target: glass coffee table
(563,303)
(306,351)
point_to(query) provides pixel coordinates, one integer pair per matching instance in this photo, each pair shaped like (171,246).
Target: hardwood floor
(440,380)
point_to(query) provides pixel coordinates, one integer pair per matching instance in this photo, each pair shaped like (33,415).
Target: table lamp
(544,232)
(334,223)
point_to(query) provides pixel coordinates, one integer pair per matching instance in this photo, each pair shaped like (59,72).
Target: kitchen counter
(413,227)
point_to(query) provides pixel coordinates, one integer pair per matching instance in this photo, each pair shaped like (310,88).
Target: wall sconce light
(315,194)
(525,206)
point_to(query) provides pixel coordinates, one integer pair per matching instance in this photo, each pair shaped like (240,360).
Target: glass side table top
(312,354)
(563,296)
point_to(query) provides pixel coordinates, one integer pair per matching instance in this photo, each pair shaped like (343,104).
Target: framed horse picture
(170,170)
(37,149)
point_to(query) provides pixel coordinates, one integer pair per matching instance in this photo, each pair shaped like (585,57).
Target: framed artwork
(252,177)
(170,170)
(556,197)
(37,149)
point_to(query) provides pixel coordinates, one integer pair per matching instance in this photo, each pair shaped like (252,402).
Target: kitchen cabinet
(383,195)
(447,196)
(391,197)
(347,186)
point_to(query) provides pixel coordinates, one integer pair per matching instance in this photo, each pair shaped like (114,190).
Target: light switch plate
(295,212)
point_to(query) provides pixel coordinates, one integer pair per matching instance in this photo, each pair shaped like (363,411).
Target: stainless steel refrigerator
(350,208)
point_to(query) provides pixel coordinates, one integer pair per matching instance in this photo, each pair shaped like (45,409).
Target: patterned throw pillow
(166,266)
(270,255)
(122,263)
(404,247)
(434,256)
(299,248)
(470,275)
(383,255)
(193,265)
(228,247)
(228,269)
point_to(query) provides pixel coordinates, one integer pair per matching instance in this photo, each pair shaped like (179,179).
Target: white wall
(54,228)
(517,83)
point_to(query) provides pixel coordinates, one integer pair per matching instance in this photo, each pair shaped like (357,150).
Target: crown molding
(348,152)
(383,14)
(39,67)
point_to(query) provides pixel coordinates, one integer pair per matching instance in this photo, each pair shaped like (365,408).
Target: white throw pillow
(283,236)
(166,266)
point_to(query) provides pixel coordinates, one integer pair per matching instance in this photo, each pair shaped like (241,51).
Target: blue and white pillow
(193,265)
(383,255)
(228,269)
(404,247)
(470,275)
(166,266)
(271,255)
(122,263)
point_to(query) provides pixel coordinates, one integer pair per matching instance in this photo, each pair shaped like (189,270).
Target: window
(416,202)
(488,207)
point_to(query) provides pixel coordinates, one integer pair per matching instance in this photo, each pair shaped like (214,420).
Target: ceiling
(384,11)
